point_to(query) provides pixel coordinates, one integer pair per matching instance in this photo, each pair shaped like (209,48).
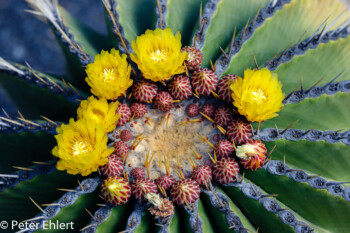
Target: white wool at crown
(179,139)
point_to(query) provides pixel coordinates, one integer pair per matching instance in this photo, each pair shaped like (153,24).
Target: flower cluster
(166,130)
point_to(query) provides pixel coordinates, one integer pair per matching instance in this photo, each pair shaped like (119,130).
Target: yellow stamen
(81,148)
(259,96)
(108,75)
(158,55)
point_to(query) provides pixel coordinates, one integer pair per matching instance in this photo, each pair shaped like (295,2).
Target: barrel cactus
(190,116)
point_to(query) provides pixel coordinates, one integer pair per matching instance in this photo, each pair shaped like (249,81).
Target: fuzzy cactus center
(158,55)
(165,142)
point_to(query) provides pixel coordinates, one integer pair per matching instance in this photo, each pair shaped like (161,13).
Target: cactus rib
(329,88)
(98,218)
(306,197)
(11,180)
(196,222)
(204,21)
(277,167)
(330,136)
(116,27)
(161,10)
(69,198)
(164,224)
(49,10)
(232,219)
(252,191)
(267,12)
(40,80)
(135,218)
(8,125)
(310,43)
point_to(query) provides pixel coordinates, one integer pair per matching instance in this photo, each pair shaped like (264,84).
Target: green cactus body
(301,187)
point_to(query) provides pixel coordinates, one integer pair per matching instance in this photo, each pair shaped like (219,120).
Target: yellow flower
(81,147)
(109,75)
(258,95)
(100,111)
(158,54)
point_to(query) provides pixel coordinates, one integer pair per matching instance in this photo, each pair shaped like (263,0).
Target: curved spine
(48,9)
(30,76)
(232,219)
(248,31)
(99,217)
(11,180)
(204,21)
(164,224)
(135,217)
(196,223)
(11,126)
(69,198)
(330,88)
(276,167)
(310,43)
(273,134)
(161,12)
(117,28)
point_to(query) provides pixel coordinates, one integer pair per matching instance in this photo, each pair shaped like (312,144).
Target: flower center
(108,75)
(259,96)
(158,56)
(81,148)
